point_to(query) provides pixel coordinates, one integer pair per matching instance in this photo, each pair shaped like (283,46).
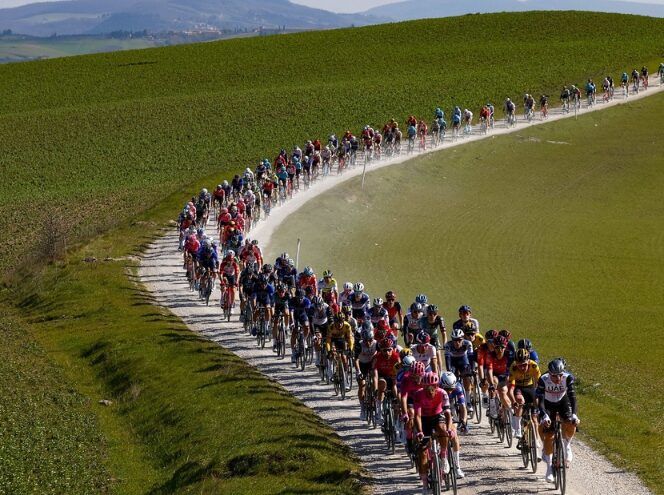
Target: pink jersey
(431,406)
(408,385)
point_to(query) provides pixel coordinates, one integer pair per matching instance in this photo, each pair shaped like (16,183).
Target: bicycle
(370,402)
(299,349)
(205,286)
(528,442)
(281,338)
(262,327)
(475,399)
(451,476)
(226,301)
(389,428)
(338,373)
(411,144)
(248,313)
(505,418)
(558,458)
(483,125)
(433,460)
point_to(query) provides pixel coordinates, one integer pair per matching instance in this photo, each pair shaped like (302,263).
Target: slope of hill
(115,140)
(99,16)
(422,9)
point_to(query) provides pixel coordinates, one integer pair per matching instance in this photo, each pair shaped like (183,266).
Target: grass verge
(553,232)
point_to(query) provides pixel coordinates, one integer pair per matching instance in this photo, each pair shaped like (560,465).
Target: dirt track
(490,467)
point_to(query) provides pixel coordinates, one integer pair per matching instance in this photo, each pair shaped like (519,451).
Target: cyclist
(287,273)
(424,352)
(412,133)
(467,121)
(590,92)
(434,325)
(378,313)
(346,294)
(458,354)
(307,279)
(299,309)
(484,116)
(528,105)
(320,316)
(576,96)
(433,417)
(624,82)
(408,384)
(528,345)
(511,348)
(411,324)
(644,76)
(635,79)
(564,97)
(497,371)
(327,289)
(523,376)
(660,72)
(263,298)
(340,336)
(384,373)
(393,308)
(482,354)
(248,278)
(218,196)
(466,319)
(365,352)
(454,391)
(422,131)
(359,301)
(207,258)
(510,109)
(281,299)
(544,106)
(556,395)
(456,120)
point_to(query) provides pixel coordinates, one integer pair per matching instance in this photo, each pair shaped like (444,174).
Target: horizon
(337,6)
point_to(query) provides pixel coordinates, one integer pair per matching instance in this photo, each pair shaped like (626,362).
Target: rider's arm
(571,393)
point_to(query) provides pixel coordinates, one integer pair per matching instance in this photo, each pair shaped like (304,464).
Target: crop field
(93,140)
(553,232)
(101,150)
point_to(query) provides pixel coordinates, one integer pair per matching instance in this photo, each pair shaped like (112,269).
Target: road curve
(490,468)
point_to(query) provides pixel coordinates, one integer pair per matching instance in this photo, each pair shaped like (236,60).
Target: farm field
(101,149)
(552,232)
(103,137)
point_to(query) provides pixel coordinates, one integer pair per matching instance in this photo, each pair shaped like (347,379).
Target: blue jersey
(458,394)
(264,295)
(299,308)
(207,258)
(440,114)
(458,358)
(412,131)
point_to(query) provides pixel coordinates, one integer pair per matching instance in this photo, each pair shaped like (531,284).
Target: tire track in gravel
(490,467)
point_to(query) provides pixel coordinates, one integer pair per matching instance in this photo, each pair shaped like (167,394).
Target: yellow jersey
(338,332)
(524,378)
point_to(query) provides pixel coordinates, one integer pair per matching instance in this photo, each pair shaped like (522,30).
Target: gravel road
(490,467)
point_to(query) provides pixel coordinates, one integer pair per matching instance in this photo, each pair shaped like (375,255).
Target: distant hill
(103,16)
(421,9)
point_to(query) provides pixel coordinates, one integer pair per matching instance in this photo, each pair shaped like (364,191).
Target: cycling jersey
(300,309)
(264,296)
(378,314)
(472,322)
(407,385)
(364,352)
(423,353)
(385,364)
(361,305)
(500,366)
(458,394)
(524,378)
(339,332)
(304,281)
(392,311)
(431,406)
(477,342)
(562,394)
(320,316)
(433,328)
(330,286)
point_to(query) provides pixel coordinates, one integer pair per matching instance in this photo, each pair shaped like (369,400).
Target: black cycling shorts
(563,408)
(430,422)
(528,394)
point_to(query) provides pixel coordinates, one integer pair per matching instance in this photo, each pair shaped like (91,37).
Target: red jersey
(224,218)
(303,282)
(192,244)
(499,366)
(392,311)
(230,268)
(220,194)
(386,364)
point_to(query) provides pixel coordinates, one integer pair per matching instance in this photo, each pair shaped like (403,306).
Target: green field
(111,144)
(554,232)
(18,49)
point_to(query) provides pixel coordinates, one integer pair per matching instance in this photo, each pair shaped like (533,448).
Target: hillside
(110,143)
(421,9)
(100,16)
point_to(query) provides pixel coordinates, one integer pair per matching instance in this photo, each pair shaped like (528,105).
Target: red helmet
(430,378)
(382,325)
(490,334)
(418,369)
(500,341)
(385,344)
(506,334)
(380,334)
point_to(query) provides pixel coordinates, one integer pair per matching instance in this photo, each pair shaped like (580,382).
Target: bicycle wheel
(263,333)
(349,373)
(524,446)
(508,427)
(310,349)
(259,329)
(500,429)
(476,400)
(342,380)
(532,447)
(282,341)
(336,381)
(560,468)
(451,478)
(434,469)
(228,309)
(302,354)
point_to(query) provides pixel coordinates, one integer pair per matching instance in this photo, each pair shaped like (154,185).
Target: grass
(553,232)
(104,137)
(111,144)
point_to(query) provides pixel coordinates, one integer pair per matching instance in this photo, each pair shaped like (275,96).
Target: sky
(333,5)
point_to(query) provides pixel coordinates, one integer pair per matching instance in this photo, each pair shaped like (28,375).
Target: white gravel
(490,468)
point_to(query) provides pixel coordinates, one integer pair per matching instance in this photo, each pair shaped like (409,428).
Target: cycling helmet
(557,366)
(200,232)
(522,355)
(490,334)
(390,295)
(524,344)
(327,273)
(422,299)
(448,380)
(348,286)
(339,318)
(358,287)
(469,329)
(432,308)
(223,211)
(366,334)
(204,192)
(505,333)
(248,171)
(405,351)
(308,271)
(407,362)
(418,369)
(299,293)
(218,186)
(284,255)
(380,334)
(367,326)
(465,309)
(267,268)
(416,308)
(430,379)
(291,262)
(346,309)
(309,291)
(378,302)
(203,236)
(457,334)
(254,242)
(225,183)
(206,243)
(385,344)
(230,254)
(500,341)
(262,280)
(423,338)
(317,301)
(281,287)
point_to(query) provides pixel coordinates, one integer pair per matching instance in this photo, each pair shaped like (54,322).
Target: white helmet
(448,379)
(348,286)
(358,287)
(457,333)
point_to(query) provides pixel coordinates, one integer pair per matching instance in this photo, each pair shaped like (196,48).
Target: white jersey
(423,357)
(367,352)
(554,392)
